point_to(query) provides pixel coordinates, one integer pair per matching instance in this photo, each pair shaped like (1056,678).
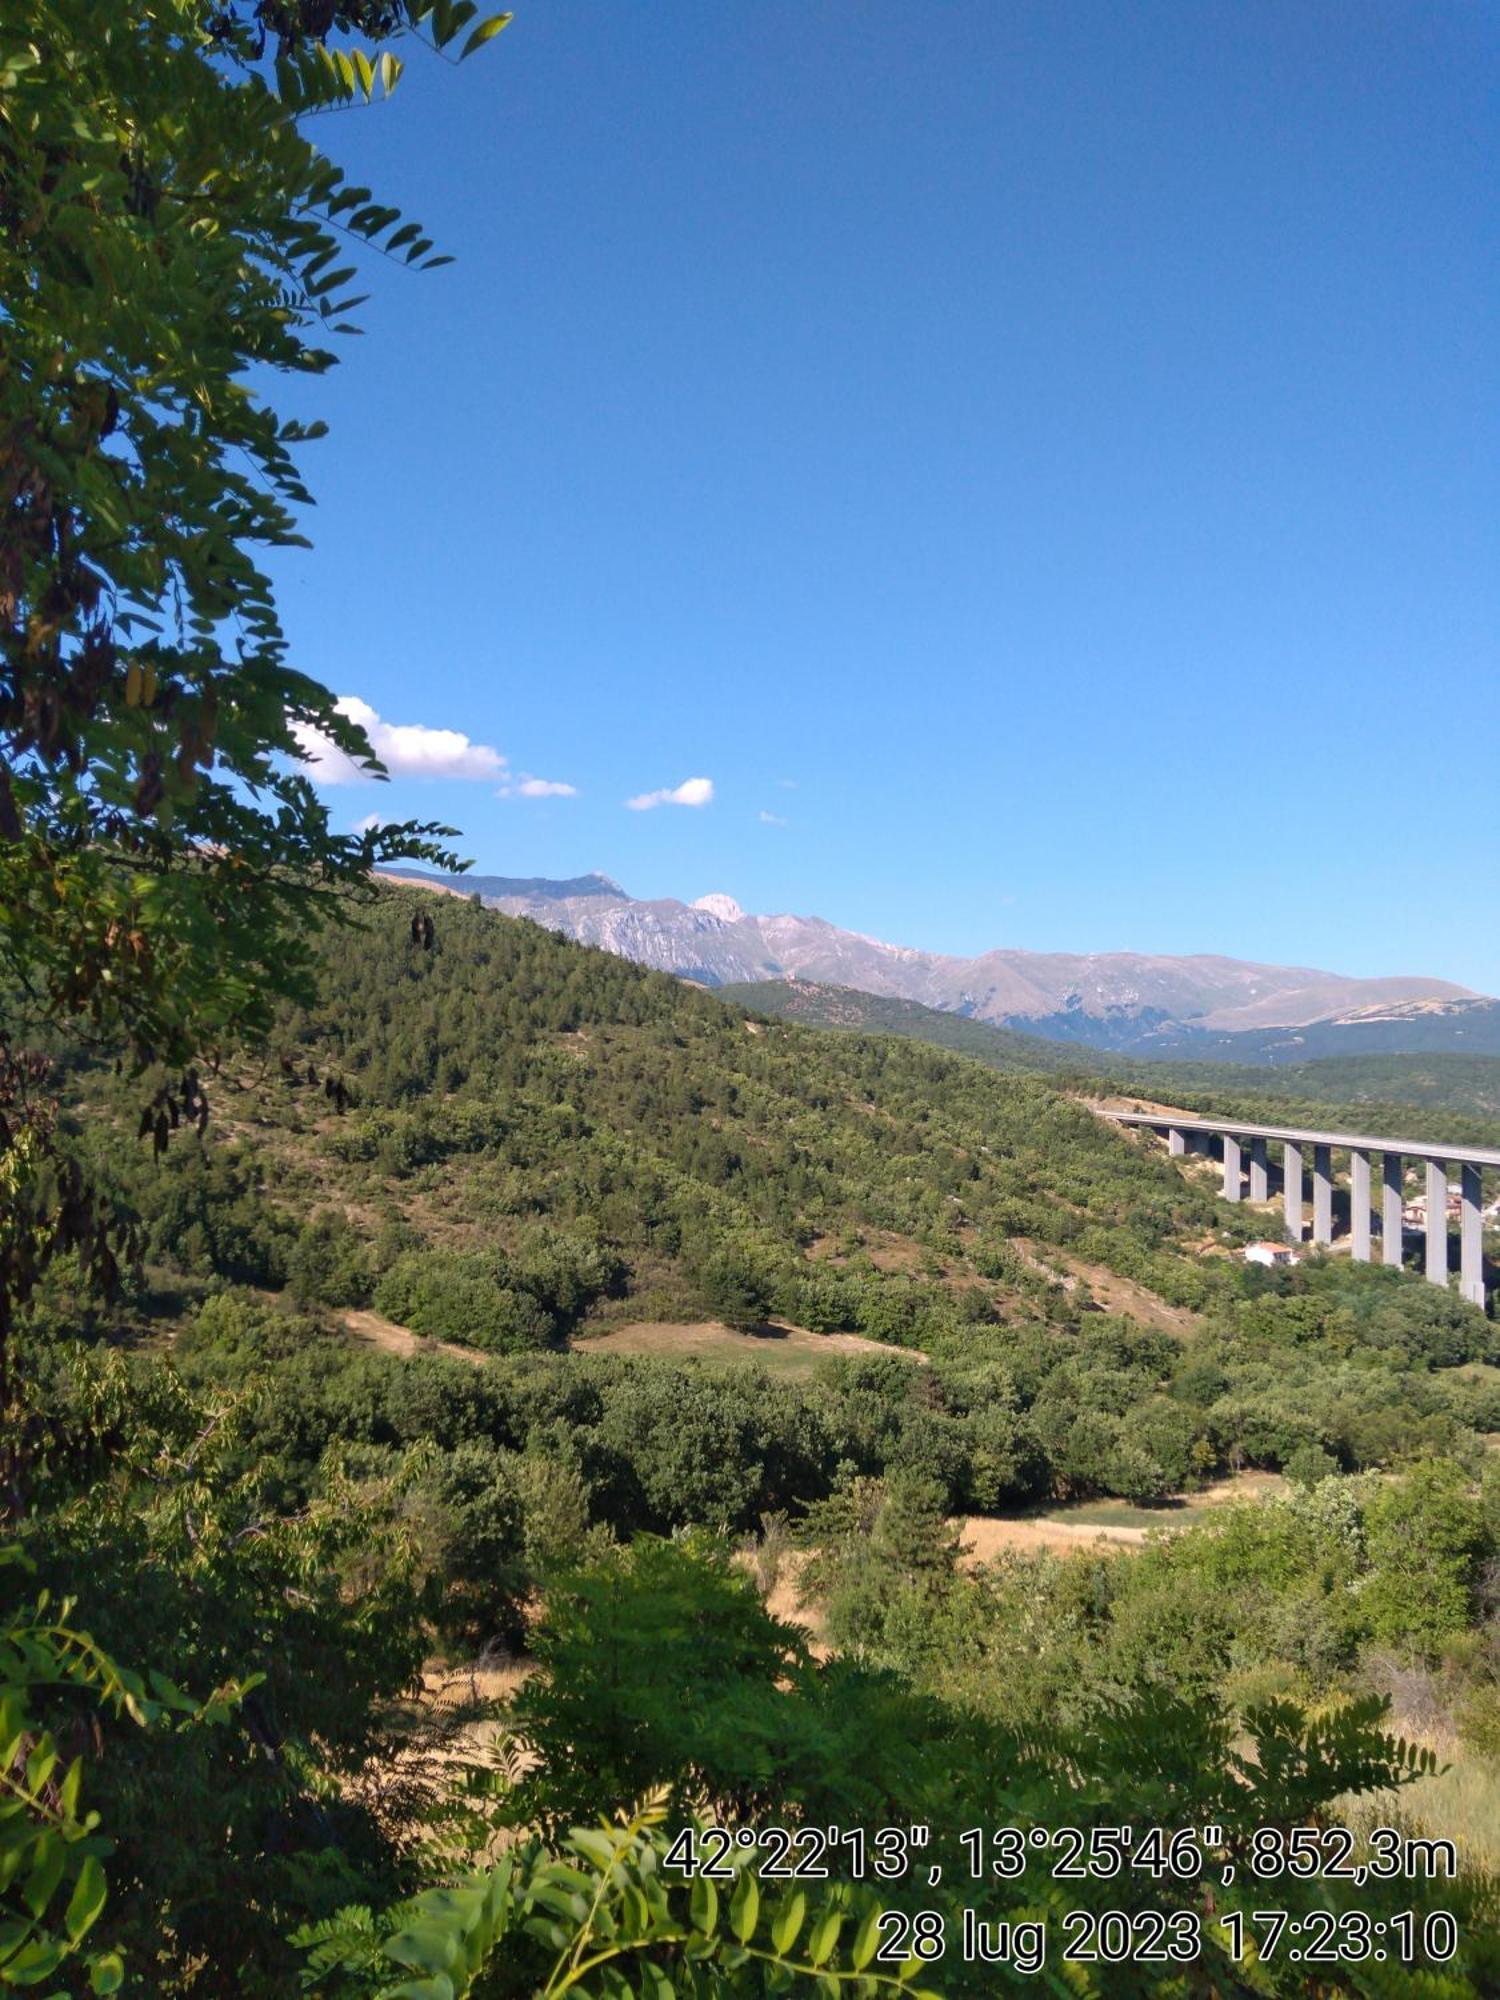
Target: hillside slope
(545,1154)
(1455,1096)
(543,1143)
(1008,1049)
(510,1084)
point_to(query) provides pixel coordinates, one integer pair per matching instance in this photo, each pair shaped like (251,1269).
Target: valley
(592,1321)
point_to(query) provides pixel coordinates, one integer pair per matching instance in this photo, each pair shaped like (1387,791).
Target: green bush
(329,1263)
(464,1298)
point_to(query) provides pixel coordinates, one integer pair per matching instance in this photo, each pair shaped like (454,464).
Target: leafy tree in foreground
(599,1916)
(166,228)
(167,233)
(51,1849)
(657,1667)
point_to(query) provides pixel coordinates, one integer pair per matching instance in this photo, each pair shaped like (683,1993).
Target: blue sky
(1036,460)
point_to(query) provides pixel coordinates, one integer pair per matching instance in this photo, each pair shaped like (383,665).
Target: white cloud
(771,819)
(527,787)
(407,749)
(787,784)
(368,824)
(691,792)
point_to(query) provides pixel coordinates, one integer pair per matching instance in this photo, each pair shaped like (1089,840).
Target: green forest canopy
(539,1139)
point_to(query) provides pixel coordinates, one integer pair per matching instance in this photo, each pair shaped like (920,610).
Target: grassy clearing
(1460,1802)
(1084,1524)
(778,1346)
(1124,1514)
(1181,1511)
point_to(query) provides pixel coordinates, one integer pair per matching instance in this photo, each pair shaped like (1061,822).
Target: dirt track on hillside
(400,1340)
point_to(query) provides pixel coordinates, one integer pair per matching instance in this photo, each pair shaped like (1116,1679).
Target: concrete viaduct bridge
(1240,1143)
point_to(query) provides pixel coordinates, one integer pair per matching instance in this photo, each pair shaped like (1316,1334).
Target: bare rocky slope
(1126,1000)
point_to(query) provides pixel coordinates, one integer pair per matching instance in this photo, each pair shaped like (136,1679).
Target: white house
(1271,1253)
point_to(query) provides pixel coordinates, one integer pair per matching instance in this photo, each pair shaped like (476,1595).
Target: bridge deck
(1308,1135)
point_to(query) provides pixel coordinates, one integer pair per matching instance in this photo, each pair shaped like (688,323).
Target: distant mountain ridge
(1462,1083)
(496,889)
(1129,1001)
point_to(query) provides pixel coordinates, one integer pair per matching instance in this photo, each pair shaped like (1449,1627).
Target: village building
(1271,1253)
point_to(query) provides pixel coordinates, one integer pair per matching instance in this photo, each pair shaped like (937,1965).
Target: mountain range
(1203,1006)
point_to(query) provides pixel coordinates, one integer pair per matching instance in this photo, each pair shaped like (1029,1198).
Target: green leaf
(87,1899)
(485,32)
(444,26)
(788,1922)
(32,1963)
(107,1973)
(595,1843)
(866,1939)
(824,1935)
(426,1947)
(50,1858)
(703,1905)
(744,1906)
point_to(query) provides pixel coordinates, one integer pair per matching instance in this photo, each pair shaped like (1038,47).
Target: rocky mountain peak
(1111,999)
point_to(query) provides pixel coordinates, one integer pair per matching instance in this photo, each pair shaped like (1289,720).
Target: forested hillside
(507,1143)
(510,1090)
(538,1141)
(818,1006)
(1457,1096)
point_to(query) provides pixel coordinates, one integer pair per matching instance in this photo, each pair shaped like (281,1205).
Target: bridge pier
(1359,1206)
(1471,1235)
(1437,1223)
(1291,1188)
(1247,1145)
(1392,1201)
(1322,1231)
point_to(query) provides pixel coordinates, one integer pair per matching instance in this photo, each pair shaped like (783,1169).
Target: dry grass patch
(1125,1296)
(778,1345)
(1459,1802)
(986,1536)
(1085,1524)
(883,1247)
